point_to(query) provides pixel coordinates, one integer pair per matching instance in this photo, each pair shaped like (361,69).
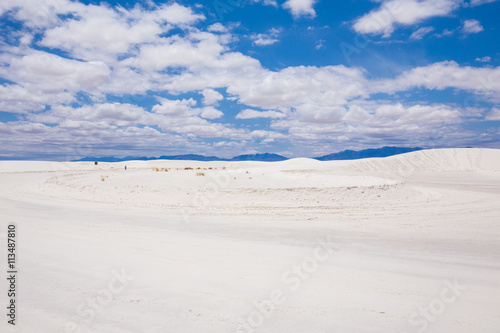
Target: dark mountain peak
(367,153)
(267,157)
(191,157)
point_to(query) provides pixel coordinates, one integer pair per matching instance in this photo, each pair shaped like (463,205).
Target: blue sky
(300,78)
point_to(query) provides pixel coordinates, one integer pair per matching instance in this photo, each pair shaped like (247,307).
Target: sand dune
(408,243)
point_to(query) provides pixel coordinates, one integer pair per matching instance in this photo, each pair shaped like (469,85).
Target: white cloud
(102,33)
(391,13)
(314,113)
(356,114)
(419,114)
(75,139)
(445,33)
(442,75)
(195,51)
(374,121)
(484,59)
(301,7)
(215,69)
(266,39)
(184,109)
(474,3)
(47,72)
(420,33)
(85,38)
(267,2)
(175,107)
(252,114)
(295,86)
(174,13)
(211,96)
(113,114)
(23,128)
(320,44)
(38,14)
(195,126)
(267,136)
(493,115)
(218,27)
(472,27)
(16,99)
(209,112)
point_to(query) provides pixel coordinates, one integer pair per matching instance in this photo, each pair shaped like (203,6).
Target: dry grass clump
(200,174)
(159,169)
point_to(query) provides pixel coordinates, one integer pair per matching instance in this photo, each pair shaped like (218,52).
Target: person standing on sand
(125,168)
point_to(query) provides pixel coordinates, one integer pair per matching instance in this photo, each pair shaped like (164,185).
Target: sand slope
(407,243)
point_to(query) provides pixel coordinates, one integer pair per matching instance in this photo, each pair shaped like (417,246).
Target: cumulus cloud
(175,107)
(185,108)
(442,75)
(295,86)
(114,114)
(494,115)
(472,27)
(267,136)
(83,36)
(16,99)
(211,96)
(419,114)
(196,51)
(269,38)
(375,121)
(38,14)
(209,112)
(484,59)
(392,13)
(47,72)
(252,114)
(217,27)
(301,7)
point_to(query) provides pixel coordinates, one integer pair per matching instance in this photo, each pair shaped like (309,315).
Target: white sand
(409,243)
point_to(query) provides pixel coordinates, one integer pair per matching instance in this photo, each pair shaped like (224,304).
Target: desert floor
(409,243)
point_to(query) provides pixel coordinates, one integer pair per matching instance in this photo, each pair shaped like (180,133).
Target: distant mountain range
(343,155)
(367,153)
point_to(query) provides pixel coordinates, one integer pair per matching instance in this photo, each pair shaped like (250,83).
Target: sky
(300,78)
